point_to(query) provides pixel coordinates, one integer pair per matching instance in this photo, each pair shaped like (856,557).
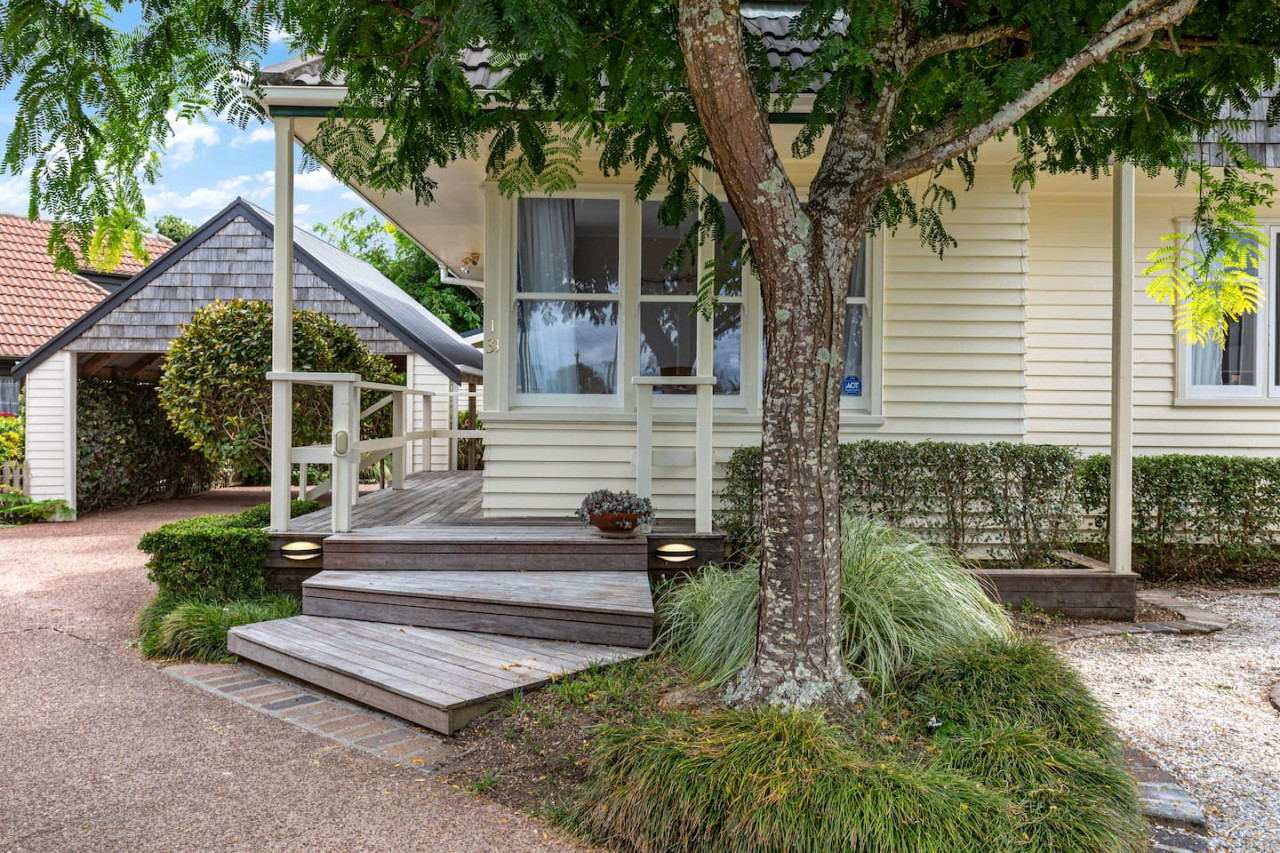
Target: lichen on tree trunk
(803,270)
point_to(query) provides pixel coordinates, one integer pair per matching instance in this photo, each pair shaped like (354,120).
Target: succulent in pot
(617,513)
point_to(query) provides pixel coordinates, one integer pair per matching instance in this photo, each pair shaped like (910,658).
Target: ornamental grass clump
(773,780)
(195,628)
(900,598)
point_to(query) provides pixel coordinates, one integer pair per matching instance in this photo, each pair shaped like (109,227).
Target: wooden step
(615,608)
(499,548)
(438,679)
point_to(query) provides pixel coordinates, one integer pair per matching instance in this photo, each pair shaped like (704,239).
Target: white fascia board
(303,96)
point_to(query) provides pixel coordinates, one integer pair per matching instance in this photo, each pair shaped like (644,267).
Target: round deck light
(301,550)
(676,552)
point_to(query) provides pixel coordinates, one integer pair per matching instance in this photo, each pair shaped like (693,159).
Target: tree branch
(1133,22)
(948,42)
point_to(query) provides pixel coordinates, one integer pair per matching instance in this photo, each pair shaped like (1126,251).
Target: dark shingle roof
(771,20)
(355,280)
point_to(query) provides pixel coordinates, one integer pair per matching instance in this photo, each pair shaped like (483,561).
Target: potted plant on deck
(616,513)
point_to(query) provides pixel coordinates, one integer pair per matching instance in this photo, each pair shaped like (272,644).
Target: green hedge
(220,555)
(126,452)
(1194,516)
(1014,499)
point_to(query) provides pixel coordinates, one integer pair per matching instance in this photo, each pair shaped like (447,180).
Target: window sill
(1226,402)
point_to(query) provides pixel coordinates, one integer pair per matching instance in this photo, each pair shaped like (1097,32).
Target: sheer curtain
(545,265)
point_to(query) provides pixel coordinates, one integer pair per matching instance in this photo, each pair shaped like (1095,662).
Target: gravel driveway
(102,752)
(1200,706)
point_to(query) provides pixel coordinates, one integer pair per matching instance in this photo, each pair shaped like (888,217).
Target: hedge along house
(126,336)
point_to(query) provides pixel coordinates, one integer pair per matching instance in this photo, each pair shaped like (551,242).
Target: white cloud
(319,181)
(14,194)
(205,199)
(254,137)
(186,138)
(276,35)
(299,209)
(351,196)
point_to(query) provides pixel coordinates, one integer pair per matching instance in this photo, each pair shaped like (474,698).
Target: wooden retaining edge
(1196,621)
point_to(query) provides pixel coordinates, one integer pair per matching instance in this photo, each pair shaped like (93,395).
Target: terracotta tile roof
(37,302)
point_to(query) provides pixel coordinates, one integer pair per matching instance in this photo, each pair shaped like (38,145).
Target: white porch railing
(347,454)
(702,458)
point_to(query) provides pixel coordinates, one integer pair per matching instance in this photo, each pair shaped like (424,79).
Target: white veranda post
(282,328)
(1122,239)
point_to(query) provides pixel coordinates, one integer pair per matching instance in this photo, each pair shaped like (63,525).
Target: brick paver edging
(351,725)
(1195,620)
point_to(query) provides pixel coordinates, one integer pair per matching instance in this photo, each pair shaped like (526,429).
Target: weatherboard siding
(1069,337)
(51,428)
(953,347)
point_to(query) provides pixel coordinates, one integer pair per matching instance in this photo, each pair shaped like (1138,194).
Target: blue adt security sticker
(852,386)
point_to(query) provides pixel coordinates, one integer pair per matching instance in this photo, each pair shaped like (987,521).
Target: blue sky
(206,167)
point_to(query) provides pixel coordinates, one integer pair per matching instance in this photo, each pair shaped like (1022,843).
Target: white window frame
(869,403)
(1266,390)
(855,411)
(514,297)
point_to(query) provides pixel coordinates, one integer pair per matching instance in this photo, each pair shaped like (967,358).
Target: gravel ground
(102,752)
(1199,705)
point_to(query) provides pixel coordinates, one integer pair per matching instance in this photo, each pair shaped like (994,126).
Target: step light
(676,552)
(301,550)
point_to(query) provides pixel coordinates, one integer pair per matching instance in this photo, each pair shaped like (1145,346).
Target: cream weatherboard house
(1034,328)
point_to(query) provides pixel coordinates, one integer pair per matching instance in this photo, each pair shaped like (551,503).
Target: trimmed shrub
(209,554)
(1194,517)
(900,598)
(215,391)
(195,628)
(223,556)
(769,780)
(126,452)
(1016,499)
(260,515)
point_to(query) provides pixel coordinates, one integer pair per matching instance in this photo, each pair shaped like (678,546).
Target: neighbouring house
(37,301)
(126,335)
(1008,337)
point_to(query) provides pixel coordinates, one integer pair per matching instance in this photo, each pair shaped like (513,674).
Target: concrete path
(101,751)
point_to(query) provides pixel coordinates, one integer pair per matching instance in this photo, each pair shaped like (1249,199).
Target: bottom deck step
(439,679)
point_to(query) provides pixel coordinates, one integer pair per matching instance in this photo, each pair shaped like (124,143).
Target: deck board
(440,679)
(428,497)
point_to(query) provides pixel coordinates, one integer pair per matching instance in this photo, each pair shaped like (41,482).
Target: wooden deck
(438,679)
(429,611)
(428,497)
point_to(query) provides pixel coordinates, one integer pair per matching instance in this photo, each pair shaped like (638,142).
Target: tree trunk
(804,268)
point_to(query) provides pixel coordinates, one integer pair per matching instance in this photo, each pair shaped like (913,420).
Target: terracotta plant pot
(616,523)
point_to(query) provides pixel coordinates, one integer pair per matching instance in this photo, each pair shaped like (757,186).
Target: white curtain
(1206,364)
(545,265)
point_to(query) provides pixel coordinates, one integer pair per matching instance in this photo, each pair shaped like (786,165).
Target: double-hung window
(854,388)
(566,298)
(669,321)
(1247,366)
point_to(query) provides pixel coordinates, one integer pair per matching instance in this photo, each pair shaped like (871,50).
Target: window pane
(657,242)
(1212,365)
(668,341)
(567,245)
(566,347)
(858,278)
(852,382)
(728,349)
(728,261)
(9,390)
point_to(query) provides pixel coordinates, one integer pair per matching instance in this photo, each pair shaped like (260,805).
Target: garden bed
(1074,592)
